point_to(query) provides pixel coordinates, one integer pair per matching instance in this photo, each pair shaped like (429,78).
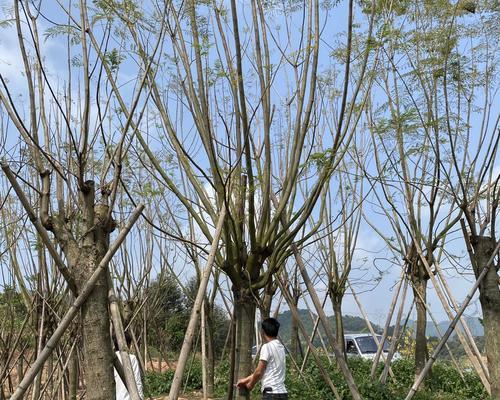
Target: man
(271,367)
(121,389)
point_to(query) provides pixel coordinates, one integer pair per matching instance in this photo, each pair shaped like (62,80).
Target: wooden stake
(386,327)
(310,346)
(195,312)
(368,323)
(450,329)
(122,342)
(475,357)
(344,368)
(394,342)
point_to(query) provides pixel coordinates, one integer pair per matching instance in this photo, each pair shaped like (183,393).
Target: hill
(351,324)
(357,324)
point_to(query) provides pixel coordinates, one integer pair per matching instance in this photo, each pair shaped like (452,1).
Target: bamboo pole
(394,342)
(74,308)
(193,321)
(310,346)
(368,323)
(203,352)
(468,334)
(313,335)
(344,368)
(475,358)
(40,228)
(450,329)
(440,335)
(122,342)
(386,327)
(318,332)
(142,365)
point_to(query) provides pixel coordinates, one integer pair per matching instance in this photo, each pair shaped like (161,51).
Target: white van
(363,345)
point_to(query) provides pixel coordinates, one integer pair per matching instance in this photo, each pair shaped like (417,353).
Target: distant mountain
(357,324)
(351,324)
(474,324)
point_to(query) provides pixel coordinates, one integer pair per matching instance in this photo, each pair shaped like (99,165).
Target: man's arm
(251,380)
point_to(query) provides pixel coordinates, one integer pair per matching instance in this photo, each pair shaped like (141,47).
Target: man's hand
(244,382)
(251,380)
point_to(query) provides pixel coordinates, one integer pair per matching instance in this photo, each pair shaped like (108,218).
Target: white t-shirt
(273,353)
(121,389)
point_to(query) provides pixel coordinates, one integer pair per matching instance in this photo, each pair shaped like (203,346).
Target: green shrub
(193,378)
(445,382)
(156,383)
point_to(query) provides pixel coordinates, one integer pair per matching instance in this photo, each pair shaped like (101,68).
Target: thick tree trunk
(73,375)
(98,352)
(420,295)
(489,296)
(339,324)
(245,307)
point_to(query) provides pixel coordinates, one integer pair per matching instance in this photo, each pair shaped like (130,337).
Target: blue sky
(371,247)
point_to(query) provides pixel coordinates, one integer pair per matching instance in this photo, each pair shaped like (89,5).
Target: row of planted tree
(255,147)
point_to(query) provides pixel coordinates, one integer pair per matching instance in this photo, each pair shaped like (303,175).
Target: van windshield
(367,344)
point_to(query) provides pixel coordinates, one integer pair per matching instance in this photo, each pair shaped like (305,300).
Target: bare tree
(70,143)
(237,118)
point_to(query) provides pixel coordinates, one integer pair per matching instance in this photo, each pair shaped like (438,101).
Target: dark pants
(274,396)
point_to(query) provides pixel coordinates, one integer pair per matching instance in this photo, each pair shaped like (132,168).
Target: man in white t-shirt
(272,365)
(121,390)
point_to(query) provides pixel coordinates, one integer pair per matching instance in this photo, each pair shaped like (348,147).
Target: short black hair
(128,339)
(271,326)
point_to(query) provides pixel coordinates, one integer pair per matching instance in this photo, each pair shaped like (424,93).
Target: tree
(424,60)
(60,142)
(232,159)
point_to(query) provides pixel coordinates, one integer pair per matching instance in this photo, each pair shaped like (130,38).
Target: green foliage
(12,307)
(114,59)
(167,313)
(127,9)
(63,30)
(156,383)
(193,379)
(445,382)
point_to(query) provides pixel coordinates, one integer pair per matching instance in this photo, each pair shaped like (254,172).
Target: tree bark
(73,375)
(98,353)
(210,353)
(489,296)
(245,307)
(294,330)
(339,324)
(420,294)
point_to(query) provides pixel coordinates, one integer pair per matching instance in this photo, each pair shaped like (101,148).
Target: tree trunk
(339,324)
(210,354)
(73,375)
(20,369)
(245,307)
(98,352)
(232,357)
(294,329)
(489,296)
(420,295)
